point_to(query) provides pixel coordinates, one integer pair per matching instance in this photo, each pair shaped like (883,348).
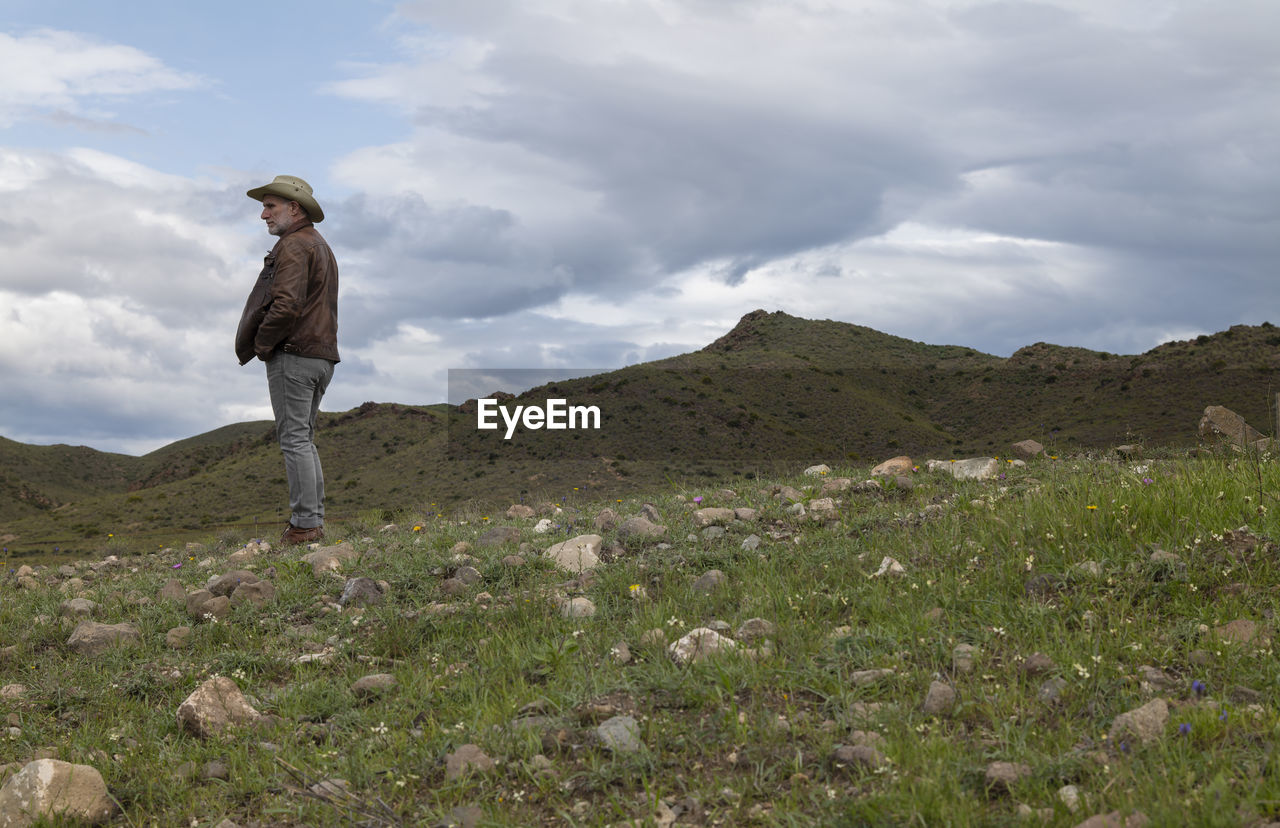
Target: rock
(940,699)
(1037,664)
(215,769)
(903,483)
(1115,820)
(620,653)
(755,629)
(962,658)
(789,494)
(214,707)
(499,536)
(91,638)
(712,517)
(580,554)
(513,561)
(226,584)
(750,543)
(178,638)
(202,603)
(372,686)
(859,678)
(710,580)
(579,607)
(700,644)
(172,591)
(543,526)
(50,789)
(77,608)
(893,467)
(1240,631)
(818,470)
(655,637)
(466,759)
(1051,690)
(651,512)
(517,511)
(1222,424)
(330,558)
(605,520)
(713,533)
(1002,776)
(976,468)
(463,816)
(620,734)
(258,593)
(836,485)
(13,692)
(745,514)
(641,527)
(889,566)
(1142,725)
(823,508)
(862,757)
(1027,448)
(1069,795)
(361,592)
(1128,451)
(1156,678)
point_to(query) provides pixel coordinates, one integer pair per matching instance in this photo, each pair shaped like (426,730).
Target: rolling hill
(775,390)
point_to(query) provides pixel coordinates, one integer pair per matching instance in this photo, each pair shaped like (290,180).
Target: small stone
(91,638)
(1002,776)
(642,528)
(620,653)
(77,608)
(620,734)
(700,644)
(466,759)
(518,511)
(755,629)
(499,536)
(50,789)
(709,581)
(962,658)
(1141,725)
(860,678)
(940,699)
(215,770)
(13,692)
(258,594)
(1037,664)
(818,470)
(1069,795)
(372,686)
(862,757)
(1051,691)
(579,607)
(751,543)
(890,567)
(226,584)
(215,706)
(177,638)
(361,592)
(578,554)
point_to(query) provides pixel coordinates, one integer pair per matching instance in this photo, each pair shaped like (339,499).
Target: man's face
(280,215)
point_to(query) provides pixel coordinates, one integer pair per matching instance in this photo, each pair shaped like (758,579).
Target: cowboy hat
(291,188)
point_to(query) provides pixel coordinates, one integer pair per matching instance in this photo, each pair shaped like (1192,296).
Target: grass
(1052,558)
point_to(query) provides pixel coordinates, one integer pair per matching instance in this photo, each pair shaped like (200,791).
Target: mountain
(775,390)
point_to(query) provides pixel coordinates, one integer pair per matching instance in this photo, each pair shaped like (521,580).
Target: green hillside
(774,391)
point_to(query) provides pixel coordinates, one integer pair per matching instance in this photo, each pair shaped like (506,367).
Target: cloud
(69,75)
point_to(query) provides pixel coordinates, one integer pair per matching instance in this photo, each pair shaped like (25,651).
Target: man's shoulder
(303,238)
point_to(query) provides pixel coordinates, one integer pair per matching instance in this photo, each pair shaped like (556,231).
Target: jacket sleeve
(287,297)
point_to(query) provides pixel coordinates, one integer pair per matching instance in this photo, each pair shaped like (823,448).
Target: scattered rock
(50,789)
(893,467)
(1220,423)
(1037,664)
(962,658)
(372,686)
(605,520)
(712,517)
(1240,631)
(361,592)
(77,608)
(215,706)
(620,734)
(641,527)
(889,566)
(178,638)
(579,607)
(751,543)
(861,757)
(91,638)
(226,584)
(1002,776)
(1027,448)
(700,644)
(709,581)
(755,629)
(258,593)
(518,511)
(1142,725)
(330,558)
(466,759)
(940,699)
(976,468)
(818,470)
(580,554)
(859,678)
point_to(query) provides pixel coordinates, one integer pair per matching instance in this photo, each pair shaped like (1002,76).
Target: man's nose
(265,213)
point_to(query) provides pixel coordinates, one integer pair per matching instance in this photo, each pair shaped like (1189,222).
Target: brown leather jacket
(293,307)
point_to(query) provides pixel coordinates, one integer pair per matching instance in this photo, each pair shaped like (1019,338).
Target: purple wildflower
(177,565)
(698,499)
(1147,481)
(1184,729)
(1198,687)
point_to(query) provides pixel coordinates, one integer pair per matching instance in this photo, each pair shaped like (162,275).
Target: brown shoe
(294,535)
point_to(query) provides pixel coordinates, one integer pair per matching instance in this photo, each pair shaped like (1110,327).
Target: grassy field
(1083,586)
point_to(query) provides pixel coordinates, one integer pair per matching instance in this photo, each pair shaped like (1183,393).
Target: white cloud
(52,71)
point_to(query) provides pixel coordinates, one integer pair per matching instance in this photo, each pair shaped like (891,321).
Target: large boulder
(90,637)
(50,789)
(893,467)
(1221,423)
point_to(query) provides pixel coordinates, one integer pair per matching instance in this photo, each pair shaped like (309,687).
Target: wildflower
(1198,687)
(673,621)
(1222,717)
(178,565)
(1091,507)
(380,730)
(698,499)
(417,528)
(1079,668)
(1147,481)
(1184,729)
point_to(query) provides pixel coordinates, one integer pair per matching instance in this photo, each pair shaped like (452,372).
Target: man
(290,322)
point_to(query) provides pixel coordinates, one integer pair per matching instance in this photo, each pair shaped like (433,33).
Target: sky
(596,183)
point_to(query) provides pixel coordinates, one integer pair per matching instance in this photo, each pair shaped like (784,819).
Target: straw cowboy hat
(291,188)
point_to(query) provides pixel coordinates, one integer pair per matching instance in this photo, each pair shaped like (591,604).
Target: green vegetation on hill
(774,391)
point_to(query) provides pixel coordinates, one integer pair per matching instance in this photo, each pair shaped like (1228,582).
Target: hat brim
(288,193)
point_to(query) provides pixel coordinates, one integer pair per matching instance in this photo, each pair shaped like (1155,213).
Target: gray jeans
(297,384)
